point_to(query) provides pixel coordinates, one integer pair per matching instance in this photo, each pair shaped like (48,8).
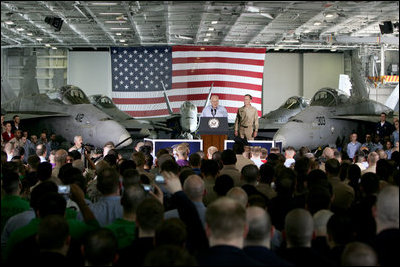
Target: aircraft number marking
(321,120)
(79,117)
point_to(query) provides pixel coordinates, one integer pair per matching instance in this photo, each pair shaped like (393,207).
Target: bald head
(259,224)
(328,153)
(359,254)
(194,188)
(214,101)
(299,228)
(387,208)
(373,158)
(239,195)
(61,157)
(225,221)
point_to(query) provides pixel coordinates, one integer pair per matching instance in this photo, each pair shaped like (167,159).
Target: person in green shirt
(11,203)
(124,228)
(51,203)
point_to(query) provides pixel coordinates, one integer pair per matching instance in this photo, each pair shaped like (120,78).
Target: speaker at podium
(213,131)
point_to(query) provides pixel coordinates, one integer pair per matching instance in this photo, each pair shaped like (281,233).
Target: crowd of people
(245,206)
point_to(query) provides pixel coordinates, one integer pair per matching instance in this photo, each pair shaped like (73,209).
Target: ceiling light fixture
(211,29)
(39,39)
(208,34)
(115,21)
(20,29)
(9,22)
(183,37)
(328,15)
(205,39)
(317,23)
(118,34)
(54,48)
(122,40)
(110,13)
(103,4)
(214,22)
(122,29)
(29,34)
(47,45)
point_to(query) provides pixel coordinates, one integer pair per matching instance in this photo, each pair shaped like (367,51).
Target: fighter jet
(333,114)
(138,128)
(52,112)
(272,121)
(186,122)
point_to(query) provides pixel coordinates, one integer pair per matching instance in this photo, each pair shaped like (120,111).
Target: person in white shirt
(256,155)
(289,155)
(353,146)
(214,110)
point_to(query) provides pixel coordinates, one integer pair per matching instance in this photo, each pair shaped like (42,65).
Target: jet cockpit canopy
(295,102)
(102,100)
(326,97)
(69,94)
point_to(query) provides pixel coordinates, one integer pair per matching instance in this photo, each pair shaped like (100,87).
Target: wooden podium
(213,132)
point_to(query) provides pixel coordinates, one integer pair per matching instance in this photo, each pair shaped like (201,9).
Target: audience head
(228,157)
(210,151)
(259,223)
(194,160)
(387,208)
(250,174)
(170,166)
(132,196)
(373,158)
(321,219)
(171,232)
(267,173)
(53,234)
(223,184)
(299,228)
(108,181)
(239,195)
(11,183)
(44,171)
(209,168)
(225,221)
(149,215)
(332,167)
(194,188)
(359,254)
(100,247)
(169,255)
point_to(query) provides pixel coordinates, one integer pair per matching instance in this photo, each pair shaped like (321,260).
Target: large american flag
(187,73)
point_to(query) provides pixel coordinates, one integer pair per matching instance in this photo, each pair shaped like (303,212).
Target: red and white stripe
(233,71)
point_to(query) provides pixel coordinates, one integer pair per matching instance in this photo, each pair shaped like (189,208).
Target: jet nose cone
(112,131)
(125,139)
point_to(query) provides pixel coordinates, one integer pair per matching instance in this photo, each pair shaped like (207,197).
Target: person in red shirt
(7,135)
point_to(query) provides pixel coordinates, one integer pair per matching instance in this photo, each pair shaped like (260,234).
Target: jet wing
(25,115)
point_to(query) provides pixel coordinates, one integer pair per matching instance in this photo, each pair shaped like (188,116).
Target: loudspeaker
(387,27)
(55,22)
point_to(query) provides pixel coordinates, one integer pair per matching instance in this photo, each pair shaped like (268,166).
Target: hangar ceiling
(290,25)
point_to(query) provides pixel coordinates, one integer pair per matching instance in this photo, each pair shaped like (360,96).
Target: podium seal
(213,123)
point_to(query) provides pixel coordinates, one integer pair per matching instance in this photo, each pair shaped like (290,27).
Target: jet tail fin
(344,83)
(29,83)
(393,100)
(166,99)
(358,80)
(208,97)
(7,93)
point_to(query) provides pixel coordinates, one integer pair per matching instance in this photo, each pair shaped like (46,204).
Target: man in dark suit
(226,228)
(384,128)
